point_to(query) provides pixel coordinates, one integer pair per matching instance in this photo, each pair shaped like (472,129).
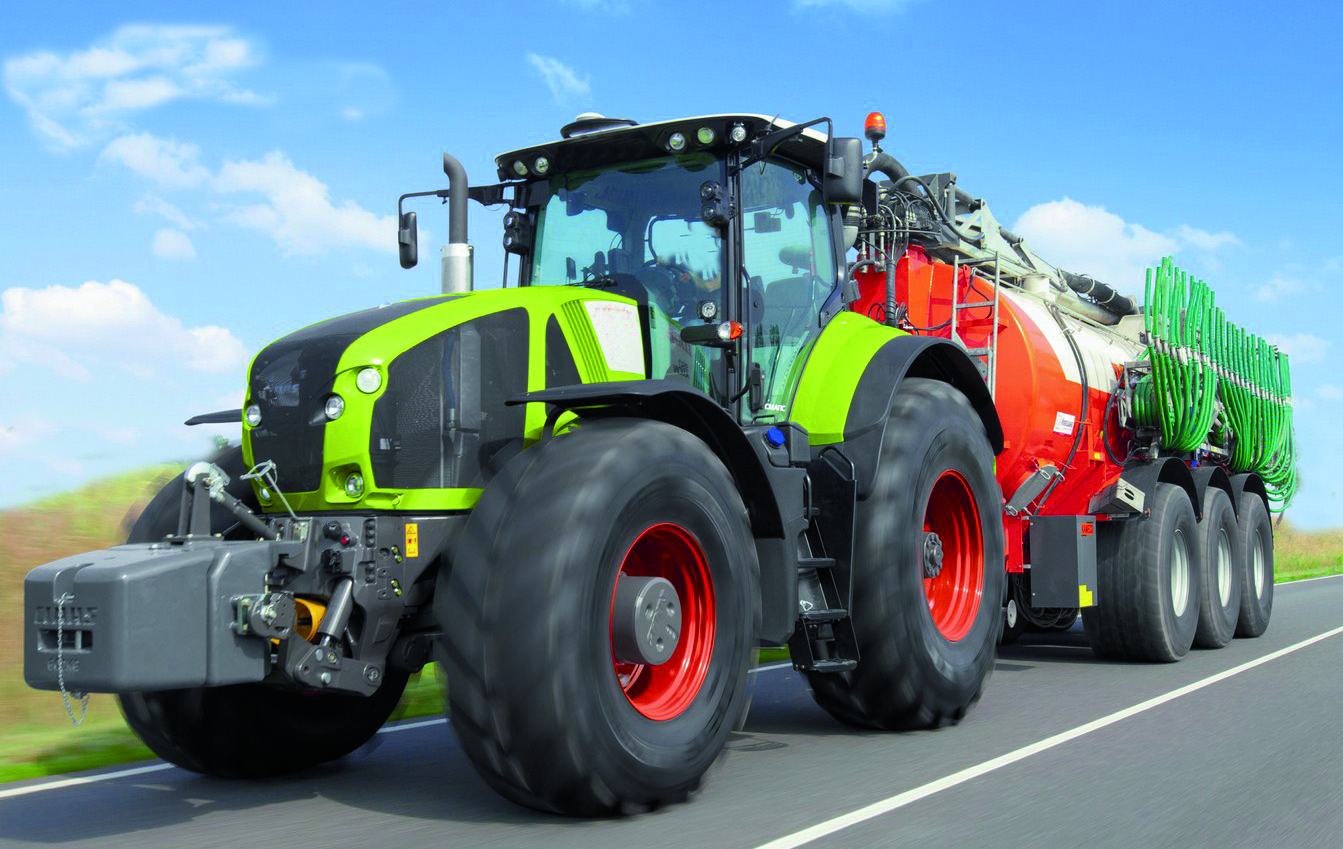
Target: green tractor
(590,494)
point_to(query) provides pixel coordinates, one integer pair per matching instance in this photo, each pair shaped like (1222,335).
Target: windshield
(635,225)
(637,229)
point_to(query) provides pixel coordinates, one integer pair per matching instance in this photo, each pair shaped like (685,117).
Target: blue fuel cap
(776,437)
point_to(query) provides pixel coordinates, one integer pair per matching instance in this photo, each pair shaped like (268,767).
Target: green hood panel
(419,349)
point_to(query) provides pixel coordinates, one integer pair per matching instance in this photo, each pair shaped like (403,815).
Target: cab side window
(789,269)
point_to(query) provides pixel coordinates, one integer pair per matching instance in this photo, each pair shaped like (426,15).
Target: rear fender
(1248,482)
(899,358)
(1206,476)
(1146,474)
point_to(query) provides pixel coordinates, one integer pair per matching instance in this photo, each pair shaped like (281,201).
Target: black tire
(527,619)
(1219,567)
(1143,614)
(247,730)
(1256,568)
(911,673)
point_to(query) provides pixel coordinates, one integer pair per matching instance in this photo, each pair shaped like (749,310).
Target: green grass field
(37,738)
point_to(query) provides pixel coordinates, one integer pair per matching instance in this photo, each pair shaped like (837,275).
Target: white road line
(406,726)
(885,806)
(1305,580)
(88,779)
(141,770)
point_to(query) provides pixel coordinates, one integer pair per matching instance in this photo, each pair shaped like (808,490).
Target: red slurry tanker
(744,386)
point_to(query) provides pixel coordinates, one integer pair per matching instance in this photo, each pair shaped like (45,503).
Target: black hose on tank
(1105,297)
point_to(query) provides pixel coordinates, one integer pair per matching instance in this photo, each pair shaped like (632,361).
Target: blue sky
(179,189)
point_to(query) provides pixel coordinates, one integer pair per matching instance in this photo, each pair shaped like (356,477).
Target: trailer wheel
(1148,578)
(1223,553)
(1256,566)
(928,572)
(247,730)
(560,693)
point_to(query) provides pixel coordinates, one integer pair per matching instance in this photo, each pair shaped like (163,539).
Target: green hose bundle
(1213,384)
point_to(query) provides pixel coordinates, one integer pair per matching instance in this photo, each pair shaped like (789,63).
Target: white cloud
(1301,347)
(76,331)
(1203,240)
(564,81)
(1277,288)
(858,5)
(1330,392)
(173,244)
(155,205)
(1092,240)
(165,161)
(75,98)
(298,212)
(294,207)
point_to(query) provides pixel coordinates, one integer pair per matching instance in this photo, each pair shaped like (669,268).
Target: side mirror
(843,181)
(408,236)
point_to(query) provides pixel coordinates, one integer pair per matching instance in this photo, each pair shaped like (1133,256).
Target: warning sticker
(412,539)
(1064,423)
(617,329)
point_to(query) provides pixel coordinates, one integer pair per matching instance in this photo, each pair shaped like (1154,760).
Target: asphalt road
(1228,748)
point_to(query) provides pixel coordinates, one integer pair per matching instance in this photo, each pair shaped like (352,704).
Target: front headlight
(253,416)
(335,405)
(354,485)
(369,380)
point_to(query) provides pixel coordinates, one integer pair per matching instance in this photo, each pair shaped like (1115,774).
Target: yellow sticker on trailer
(412,539)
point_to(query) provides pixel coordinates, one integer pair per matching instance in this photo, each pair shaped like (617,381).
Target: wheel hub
(932,555)
(645,620)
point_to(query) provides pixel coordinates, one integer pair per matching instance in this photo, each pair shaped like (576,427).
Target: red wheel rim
(955,592)
(664,691)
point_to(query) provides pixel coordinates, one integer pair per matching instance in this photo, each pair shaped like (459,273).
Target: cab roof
(644,141)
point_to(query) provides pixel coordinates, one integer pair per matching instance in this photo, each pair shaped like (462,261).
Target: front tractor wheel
(928,571)
(598,620)
(232,732)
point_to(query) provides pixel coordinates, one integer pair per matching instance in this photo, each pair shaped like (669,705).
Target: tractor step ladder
(986,357)
(823,640)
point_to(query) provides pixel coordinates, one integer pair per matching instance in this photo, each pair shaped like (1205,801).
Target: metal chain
(60,665)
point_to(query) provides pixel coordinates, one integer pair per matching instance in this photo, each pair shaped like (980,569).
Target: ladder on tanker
(986,358)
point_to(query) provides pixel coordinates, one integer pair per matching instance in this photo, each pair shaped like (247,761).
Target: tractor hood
(388,407)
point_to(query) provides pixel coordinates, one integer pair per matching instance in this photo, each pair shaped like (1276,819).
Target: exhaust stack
(456,257)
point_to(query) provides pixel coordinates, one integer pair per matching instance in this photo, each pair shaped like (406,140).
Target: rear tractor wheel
(599,620)
(928,573)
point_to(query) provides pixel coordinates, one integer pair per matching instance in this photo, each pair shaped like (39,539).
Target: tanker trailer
(1153,439)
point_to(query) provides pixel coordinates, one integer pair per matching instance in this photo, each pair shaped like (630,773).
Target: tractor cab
(718,227)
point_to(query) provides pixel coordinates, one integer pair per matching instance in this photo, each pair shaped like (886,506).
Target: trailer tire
(1256,566)
(231,732)
(1148,582)
(923,663)
(1220,565)
(543,709)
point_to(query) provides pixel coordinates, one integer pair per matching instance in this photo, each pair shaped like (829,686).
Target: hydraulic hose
(1206,369)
